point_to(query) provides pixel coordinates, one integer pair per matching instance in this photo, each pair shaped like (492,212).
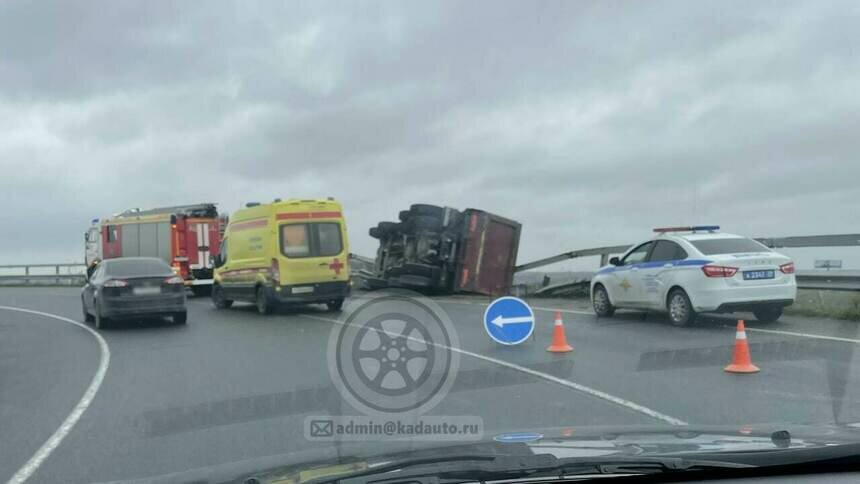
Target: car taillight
(787,268)
(719,271)
(174,280)
(275,271)
(115,283)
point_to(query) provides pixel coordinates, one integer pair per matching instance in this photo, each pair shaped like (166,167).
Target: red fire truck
(183,236)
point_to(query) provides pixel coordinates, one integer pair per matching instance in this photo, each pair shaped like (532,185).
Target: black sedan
(133,287)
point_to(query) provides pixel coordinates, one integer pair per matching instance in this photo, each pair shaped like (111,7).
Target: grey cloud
(588,121)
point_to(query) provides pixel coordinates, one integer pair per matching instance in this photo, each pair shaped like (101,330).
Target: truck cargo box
(488,254)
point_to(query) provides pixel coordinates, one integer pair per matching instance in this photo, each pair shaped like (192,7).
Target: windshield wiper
(498,467)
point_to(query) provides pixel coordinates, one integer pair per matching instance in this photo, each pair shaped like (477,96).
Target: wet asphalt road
(233,385)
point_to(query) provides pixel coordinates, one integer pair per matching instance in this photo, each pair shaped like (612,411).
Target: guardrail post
(604,259)
(27,275)
(57,273)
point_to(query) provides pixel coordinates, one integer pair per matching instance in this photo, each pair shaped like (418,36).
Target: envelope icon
(321,428)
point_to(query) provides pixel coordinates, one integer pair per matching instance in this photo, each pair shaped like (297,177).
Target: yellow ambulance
(284,252)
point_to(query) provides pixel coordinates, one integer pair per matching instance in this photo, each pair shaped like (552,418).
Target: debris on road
(442,250)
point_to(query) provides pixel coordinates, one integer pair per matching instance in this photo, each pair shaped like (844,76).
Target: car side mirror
(215,260)
(615,261)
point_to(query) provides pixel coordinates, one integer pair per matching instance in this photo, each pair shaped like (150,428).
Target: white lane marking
(566,383)
(759,330)
(57,437)
(539,308)
(804,335)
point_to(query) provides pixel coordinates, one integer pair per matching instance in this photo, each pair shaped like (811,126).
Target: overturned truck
(441,250)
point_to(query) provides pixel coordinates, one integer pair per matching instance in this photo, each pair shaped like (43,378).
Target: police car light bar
(709,228)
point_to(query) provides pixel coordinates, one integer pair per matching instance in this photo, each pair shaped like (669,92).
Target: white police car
(687,270)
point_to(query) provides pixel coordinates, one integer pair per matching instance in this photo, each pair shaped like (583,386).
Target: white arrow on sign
(500,321)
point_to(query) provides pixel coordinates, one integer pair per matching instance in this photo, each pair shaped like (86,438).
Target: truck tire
(180,318)
(386,228)
(264,306)
(424,222)
(201,291)
(768,314)
(218,299)
(600,302)
(427,210)
(680,308)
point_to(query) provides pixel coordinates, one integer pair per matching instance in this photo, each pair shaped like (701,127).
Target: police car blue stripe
(651,265)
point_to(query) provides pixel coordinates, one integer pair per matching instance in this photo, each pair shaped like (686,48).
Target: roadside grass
(830,304)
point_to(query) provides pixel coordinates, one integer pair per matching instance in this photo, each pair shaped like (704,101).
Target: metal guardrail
(71,274)
(829,280)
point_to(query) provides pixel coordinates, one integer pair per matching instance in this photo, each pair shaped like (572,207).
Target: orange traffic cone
(559,340)
(741,362)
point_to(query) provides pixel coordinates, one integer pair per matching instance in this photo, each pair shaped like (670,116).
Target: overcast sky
(589,122)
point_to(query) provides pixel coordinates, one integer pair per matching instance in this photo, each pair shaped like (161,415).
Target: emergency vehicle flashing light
(695,228)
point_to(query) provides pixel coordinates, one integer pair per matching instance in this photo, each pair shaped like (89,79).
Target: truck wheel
(335,304)
(600,301)
(429,210)
(768,314)
(100,321)
(264,306)
(88,318)
(180,318)
(218,298)
(426,222)
(385,228)
(681,311)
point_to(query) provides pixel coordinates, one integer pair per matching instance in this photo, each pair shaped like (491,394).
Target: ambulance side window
(111,233)
(295,240)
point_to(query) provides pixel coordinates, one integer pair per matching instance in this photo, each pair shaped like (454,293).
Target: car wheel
(100,321)
(218,298)
(600,300)
(88,318)
(768,314)
(180,318)
(681,311)
(264,306)
(335,304)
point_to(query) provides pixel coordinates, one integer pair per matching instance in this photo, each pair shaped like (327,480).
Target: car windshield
(136,267)
(737,245)
(269,240)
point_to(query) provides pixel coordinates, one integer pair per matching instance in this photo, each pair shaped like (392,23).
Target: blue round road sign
(509,320)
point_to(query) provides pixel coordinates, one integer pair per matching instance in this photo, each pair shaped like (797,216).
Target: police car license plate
(146,291)
(754,275)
